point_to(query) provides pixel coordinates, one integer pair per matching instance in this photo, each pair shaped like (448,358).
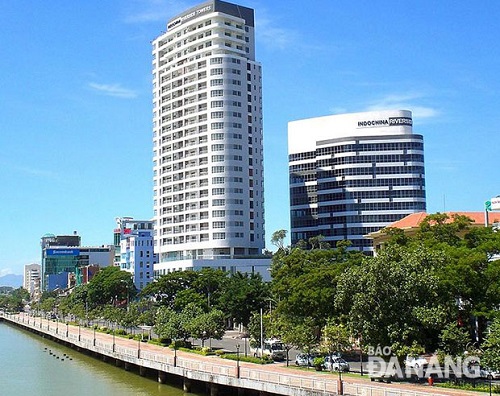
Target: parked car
(273,348)
(416,362)
(335,363)
(487,373)
(305,359)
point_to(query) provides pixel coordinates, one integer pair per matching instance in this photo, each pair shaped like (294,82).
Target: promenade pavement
(229,366)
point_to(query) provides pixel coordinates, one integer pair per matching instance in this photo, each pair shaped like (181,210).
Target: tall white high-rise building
(207,139)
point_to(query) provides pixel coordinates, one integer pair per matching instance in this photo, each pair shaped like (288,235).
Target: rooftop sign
(391,121)
(63,252)
(188,16)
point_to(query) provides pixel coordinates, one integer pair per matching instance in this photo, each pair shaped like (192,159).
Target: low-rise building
(410,224)
(62,255)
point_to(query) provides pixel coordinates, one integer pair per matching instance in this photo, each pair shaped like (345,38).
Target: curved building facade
(353,174)
(207,136)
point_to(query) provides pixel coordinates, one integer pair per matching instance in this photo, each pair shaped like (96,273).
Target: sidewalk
(249,372)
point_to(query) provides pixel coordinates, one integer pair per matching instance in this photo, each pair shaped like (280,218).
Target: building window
(218,191)
(217,125)
(216,82)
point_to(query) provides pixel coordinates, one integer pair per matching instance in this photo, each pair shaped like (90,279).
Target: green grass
(479,387)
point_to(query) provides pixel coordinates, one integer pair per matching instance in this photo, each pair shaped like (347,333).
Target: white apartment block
(32,276)
(207,139)
(353,174)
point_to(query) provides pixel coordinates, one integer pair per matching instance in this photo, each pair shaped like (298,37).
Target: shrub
(319,361)
(220,352)
(249,359)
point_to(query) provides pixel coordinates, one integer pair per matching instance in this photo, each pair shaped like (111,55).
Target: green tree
(304,335)
(189,296)
(244,294)
(210,282)
(165,289)
(305,282)
(491,347)
(207,325)
(335,338)
(110,286)
(254,328)
(49,304)
(176,325)
(167,324)
(454,339)
(392,299)
(278,239)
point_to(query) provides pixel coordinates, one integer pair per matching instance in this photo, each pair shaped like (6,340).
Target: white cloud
(445,165)
(409,101)
(30,170)
(5,271)
(113,90)
(272,36)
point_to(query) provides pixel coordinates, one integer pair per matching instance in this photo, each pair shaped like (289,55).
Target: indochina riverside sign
(390,121)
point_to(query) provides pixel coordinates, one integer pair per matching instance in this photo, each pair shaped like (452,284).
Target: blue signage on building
(63,252)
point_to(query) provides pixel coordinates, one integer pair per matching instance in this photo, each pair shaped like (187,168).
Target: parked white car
(487,373)
(273,348)
(336,364)
(416,362)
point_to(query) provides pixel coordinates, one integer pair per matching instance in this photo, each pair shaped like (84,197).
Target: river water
(32,365)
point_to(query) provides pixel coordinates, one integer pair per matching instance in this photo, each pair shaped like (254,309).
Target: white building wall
(207,136)
(32,274)
(136,249)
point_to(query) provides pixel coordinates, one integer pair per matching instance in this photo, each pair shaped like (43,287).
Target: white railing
(206,365)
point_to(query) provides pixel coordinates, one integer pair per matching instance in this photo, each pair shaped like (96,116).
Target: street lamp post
(238,361)
(175,352)
(128,292)
(261,335)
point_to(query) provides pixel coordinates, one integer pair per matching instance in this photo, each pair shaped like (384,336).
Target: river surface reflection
(32,365)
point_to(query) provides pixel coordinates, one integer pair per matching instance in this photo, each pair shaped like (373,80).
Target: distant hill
(11,280)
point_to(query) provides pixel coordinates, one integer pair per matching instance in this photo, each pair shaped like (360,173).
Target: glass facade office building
(353,174)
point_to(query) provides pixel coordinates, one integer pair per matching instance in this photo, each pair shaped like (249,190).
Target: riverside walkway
(219,376)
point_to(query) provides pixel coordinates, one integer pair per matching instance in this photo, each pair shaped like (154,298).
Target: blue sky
(75,101)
